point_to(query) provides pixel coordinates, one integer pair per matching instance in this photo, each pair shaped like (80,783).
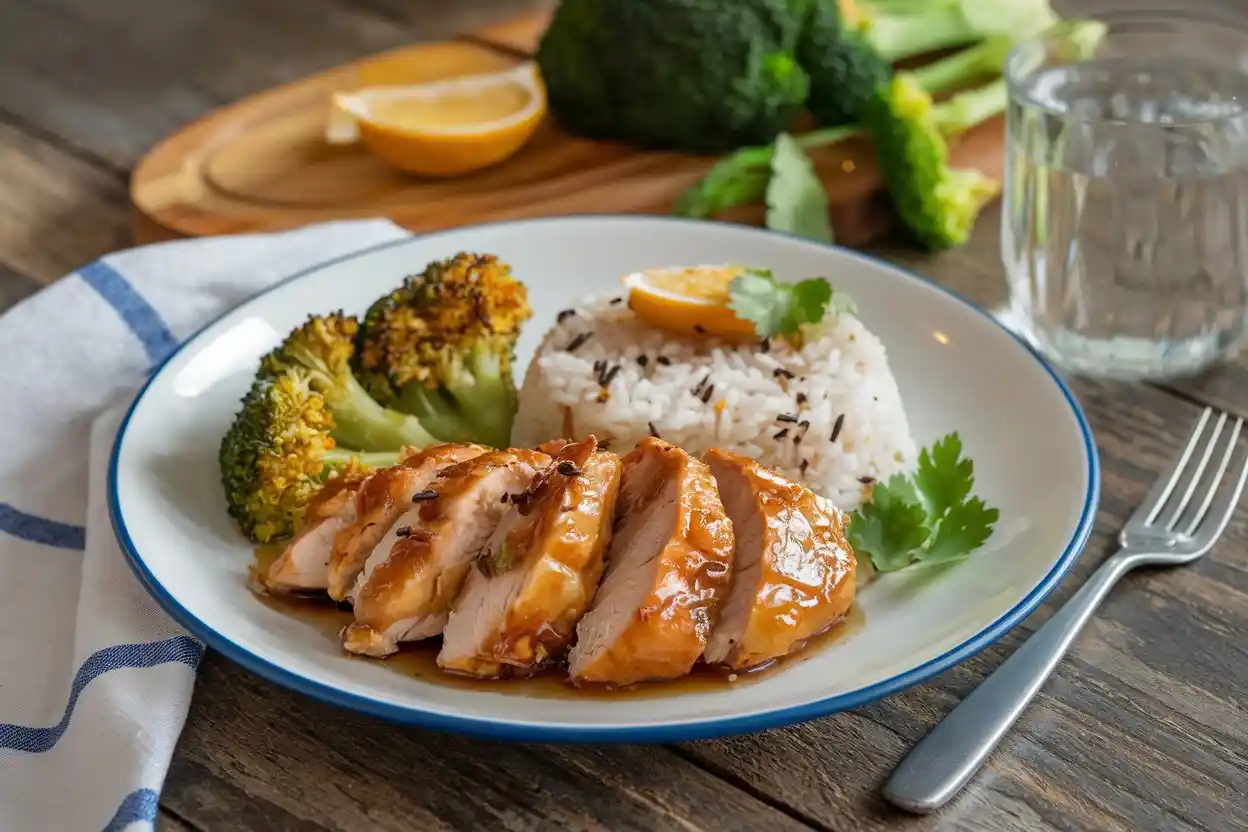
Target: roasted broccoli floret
(321,351)
(848,48)
(440,347)
(279,452)
(700,76)
(937,204)
(305,418)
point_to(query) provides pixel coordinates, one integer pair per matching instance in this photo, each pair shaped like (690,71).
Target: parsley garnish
(777,307)
(796,200)
(929,519)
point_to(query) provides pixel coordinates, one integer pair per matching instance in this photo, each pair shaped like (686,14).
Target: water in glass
(1125,234)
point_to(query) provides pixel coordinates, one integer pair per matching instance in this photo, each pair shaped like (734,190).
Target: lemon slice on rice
(443,128)
(688,300)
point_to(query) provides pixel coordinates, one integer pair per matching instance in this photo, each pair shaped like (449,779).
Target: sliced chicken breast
(538,574)
(794,572)
(383,497)
(669,566)
(303,566)
(405,590)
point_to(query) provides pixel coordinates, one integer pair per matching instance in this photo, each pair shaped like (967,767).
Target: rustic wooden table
(1144,727)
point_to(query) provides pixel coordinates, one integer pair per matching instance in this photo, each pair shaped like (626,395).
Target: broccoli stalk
(900,29)
(937,204)
(848,49)
(742,177)
(440,347)
(321,350)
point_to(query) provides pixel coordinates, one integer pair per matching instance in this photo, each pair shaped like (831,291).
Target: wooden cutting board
(262,164)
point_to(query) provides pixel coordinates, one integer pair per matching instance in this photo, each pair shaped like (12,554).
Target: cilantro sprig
(777,307)
(928,519)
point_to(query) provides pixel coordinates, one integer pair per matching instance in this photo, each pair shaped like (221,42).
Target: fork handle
(943,761)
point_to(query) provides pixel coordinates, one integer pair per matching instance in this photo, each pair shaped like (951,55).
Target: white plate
(957,368)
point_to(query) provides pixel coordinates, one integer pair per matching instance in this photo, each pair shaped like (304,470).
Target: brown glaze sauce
(419,660)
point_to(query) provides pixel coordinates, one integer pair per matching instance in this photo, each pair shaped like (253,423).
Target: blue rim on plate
(673,732)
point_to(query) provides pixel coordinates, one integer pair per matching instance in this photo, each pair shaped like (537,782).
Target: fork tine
(1194,480)
(1160,492)
(1226,506)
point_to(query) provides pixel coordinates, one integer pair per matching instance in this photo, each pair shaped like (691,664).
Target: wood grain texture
(346,772)
(1143,727)
(263,164)
(56,210)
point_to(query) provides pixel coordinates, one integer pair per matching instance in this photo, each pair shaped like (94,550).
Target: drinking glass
(1125,221)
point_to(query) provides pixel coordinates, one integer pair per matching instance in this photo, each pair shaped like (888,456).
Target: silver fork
(1183,516)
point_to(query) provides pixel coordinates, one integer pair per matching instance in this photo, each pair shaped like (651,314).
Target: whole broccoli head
(937,204)
(700,76)
(440,347)
(304,419)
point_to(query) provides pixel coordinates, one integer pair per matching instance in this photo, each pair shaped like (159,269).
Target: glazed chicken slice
(303,566)
(405,590)
(669,566)
(382,498)
(538,574)
(794,572)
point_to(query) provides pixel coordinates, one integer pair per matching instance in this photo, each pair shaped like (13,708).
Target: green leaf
(889,530)
(777,307)
(739,179)
(796,200)
(925,520)
(758,297)
(944,478)
(809,300)
(964,529)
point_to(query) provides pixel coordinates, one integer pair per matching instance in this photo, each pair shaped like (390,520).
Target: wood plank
(56,211)
(114,77)
(169,822)
(255,756)
(1141,729)
(14,287)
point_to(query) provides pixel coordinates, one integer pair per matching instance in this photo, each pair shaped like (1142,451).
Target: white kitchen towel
(95,680)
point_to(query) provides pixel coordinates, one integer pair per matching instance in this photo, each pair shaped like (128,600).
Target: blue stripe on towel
(140,804)
(144,321)
(182,649)
(40,530)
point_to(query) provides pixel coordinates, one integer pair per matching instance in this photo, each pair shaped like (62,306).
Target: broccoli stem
(963,66)
(967,109)
(484,396)
(900,29)
(360,422)
(435,411)
(341,457)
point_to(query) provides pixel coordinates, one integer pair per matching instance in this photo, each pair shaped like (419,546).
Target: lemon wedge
(444,128)
(688,300)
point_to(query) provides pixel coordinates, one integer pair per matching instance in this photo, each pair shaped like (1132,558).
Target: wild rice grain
(564,315)
(578,342)
(403,531)
(836,427)
(422,496)
(653,430)
(786,417)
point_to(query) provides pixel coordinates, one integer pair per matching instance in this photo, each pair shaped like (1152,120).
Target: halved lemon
(445,128)
(688,300)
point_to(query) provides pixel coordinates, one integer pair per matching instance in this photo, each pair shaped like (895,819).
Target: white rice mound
(777,404)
